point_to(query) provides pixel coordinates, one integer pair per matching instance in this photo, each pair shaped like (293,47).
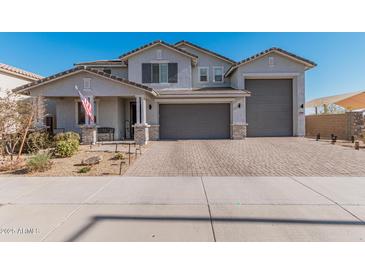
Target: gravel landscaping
(71,166)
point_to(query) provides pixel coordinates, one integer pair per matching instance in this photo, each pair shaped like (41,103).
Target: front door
(133,117)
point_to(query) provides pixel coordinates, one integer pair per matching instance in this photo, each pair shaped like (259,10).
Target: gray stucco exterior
(283,68)
(113,97)
(206,60)
(151,56)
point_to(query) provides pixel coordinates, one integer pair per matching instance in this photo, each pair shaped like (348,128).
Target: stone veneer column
(154,132)
(238,131)
(355,123)
(141,134)
(88,135)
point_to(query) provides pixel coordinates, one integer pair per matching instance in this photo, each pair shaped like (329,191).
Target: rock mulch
(107,165)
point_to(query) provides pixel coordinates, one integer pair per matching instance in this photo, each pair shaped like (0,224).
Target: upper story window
(159,73)
(203,74)
(108,71)
(87,83)
(218,74)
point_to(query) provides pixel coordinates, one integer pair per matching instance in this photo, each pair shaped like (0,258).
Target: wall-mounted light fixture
(302,106)
(239,105)
(149,106)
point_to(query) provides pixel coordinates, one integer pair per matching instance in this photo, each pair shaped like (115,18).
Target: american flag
(86,104)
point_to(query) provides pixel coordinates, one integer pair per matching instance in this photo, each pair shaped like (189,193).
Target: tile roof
(206,50)
(155,43)
(76,69)
(274,49)
(103,63)
(20,72)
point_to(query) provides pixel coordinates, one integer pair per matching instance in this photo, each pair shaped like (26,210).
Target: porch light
(149,106)
(239,105)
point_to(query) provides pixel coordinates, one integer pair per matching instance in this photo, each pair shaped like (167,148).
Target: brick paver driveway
(251,157)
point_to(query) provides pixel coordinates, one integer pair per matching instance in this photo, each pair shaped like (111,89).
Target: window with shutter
(172,72)
(146,73)
(159,73)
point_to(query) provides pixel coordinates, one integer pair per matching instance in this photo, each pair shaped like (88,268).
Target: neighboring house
(11,77)
(182,91)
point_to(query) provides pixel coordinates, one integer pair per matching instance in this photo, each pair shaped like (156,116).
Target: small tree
(18,114)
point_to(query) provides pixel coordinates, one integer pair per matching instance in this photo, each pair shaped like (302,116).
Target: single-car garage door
(194,121)
(270,107)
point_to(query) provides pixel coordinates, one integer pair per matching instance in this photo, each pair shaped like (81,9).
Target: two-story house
(181,91)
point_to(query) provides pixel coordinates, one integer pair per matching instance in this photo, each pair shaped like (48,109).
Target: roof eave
(20,75)
(25,88)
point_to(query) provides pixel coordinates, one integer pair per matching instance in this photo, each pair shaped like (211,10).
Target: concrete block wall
(342,125)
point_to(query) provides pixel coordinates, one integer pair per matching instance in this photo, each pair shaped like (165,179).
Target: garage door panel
(194,121)
(270,107)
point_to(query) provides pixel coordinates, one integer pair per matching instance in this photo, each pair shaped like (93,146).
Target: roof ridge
(153,43)
(206,50)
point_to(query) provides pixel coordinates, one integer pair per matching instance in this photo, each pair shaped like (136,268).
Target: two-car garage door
(194,121)
(270,107)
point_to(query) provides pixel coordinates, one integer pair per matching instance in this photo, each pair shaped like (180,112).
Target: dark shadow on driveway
(94,220)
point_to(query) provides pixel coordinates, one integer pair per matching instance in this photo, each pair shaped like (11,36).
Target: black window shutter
(146,73)
(155,73)
(172,72)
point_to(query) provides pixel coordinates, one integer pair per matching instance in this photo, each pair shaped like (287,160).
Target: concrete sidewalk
(182,209)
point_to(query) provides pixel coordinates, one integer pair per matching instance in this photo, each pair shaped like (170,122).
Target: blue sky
(340,56)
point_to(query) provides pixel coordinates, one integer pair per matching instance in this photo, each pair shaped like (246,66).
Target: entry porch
(115,117)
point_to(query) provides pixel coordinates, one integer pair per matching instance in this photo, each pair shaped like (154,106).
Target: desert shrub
(38,140)
(84,169)
(66,144)
(66,148)
(70,135)
(119,156)
(39,162)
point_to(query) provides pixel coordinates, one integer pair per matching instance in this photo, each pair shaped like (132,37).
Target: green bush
(119,156)
(70,135)
(39,162)
(84,169)
(66,148)
(66,144)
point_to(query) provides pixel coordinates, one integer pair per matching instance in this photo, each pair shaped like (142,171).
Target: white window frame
(159,66)
(167,71)
(222,68)
(96,101)
(199,74)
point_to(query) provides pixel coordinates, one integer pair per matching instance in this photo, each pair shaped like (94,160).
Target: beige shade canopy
(349,101)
